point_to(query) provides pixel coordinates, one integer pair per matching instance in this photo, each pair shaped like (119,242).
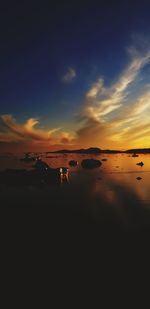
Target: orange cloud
(27,135)
(110,118)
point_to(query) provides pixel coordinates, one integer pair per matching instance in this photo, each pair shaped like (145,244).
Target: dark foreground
(113,197)
(83,229)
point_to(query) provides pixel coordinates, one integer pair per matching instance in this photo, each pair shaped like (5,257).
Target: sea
(116,194)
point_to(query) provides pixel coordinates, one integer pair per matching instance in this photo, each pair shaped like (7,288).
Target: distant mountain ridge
(86,151)
(138,150)
(95,150)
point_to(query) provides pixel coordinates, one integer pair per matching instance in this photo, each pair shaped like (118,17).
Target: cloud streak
(101,100)
(27,133)
(69,76)
(111,117)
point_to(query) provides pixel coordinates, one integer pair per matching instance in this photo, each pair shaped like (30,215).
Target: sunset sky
(74,74)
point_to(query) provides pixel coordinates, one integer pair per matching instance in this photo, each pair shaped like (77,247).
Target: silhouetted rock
(140,163)
(138,178)
(49,173)
(73,163)
(91,163)
(40,174)
(41,165)
(135,155)
(33,177)
(28,158)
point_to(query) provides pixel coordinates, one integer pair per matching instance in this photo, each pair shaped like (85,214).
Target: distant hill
(140,150)
(91,150)
(82,151)
(95,150)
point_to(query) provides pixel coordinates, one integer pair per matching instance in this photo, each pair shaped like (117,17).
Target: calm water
(107,195)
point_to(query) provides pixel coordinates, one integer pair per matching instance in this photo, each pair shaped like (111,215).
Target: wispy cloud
(69,76)
(25,131)
(101,100)
(110,115)
(29,134)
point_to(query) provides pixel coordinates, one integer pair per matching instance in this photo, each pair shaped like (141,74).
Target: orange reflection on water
(114,181)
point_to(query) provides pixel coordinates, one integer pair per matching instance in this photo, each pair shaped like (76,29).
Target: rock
(135,155)
(39,175)
(41,166)
(138,178)
(104,159)
(73,163)
(140,163)
(64,170)
(28,158)
(91,163)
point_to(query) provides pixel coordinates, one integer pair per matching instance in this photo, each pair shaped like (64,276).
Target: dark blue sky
(40,41)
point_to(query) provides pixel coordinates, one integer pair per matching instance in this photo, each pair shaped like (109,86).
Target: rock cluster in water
(73,163)
(140,163)
(41,173)
(28,158)
(91,163)
(138,178)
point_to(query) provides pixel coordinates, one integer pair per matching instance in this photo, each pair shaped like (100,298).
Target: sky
(74,74)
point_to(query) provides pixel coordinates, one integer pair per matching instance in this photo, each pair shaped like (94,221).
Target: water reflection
(64,175)
(109,194)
